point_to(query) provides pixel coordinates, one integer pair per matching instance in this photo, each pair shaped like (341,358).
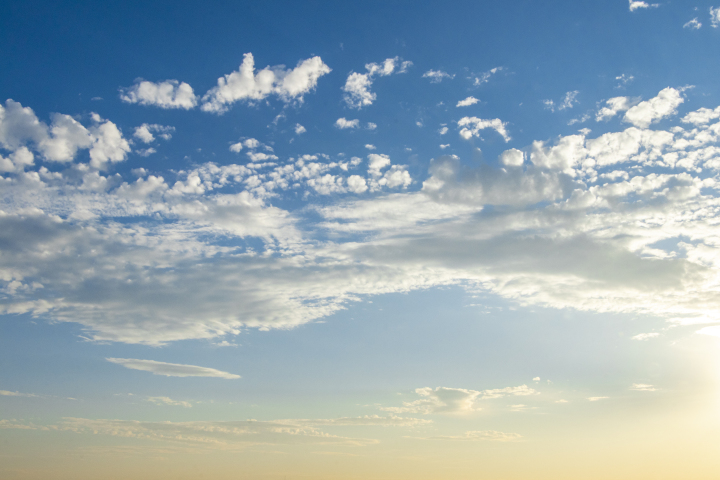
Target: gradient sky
(359,240)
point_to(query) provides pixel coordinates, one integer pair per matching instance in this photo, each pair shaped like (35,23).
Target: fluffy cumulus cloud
(357,86)
(467,102)
(167,94)
(343,123)
(715,16)
(643,113)
(246,85)
(171,369)
(62,139)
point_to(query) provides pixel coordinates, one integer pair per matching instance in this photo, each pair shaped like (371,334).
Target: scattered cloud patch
(299,129)
(144,132)
(715,16)
(485,77)
(171,369)
(623,80)
(479,435)
(370,146)
(566,103)
(636,4)
(167,94)
(357,86)
(693,24)
(645,336)
(596,399)
(467,102)
(437,76)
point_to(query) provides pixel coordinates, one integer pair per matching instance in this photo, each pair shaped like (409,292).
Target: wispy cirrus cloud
(171,369)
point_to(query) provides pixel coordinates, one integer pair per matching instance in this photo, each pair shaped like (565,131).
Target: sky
(359,240)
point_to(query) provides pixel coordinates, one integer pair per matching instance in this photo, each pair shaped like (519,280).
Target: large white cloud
(246,85)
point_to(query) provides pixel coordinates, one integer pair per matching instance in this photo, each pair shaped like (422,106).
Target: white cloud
(371,126)
(715,16)
(655,109)
(643,387)
(624,80)
(376,162)
(635,4)
(596,399)
(167,94)
(437,76)
(645,336)
(343,123)
(567,102)
(299,129)
(443,130)
(713,331)
(144,132)
(473,125)
(444,146)
(485,77)
(512,157)
(693,24)
(357,86)
(455,400)
(701,116)
(162,401)
(356,184)
(370,146)
(171,369)
(615,105)
(467,102)
(245,85)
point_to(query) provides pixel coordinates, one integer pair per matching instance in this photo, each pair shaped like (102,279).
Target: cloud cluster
(444,400)
(246,85)
(167,94)
(437,76)
(357,86)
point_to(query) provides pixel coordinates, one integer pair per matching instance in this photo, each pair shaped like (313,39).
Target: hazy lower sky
(399,240)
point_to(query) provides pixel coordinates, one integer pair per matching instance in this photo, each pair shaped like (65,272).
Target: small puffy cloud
(357,86)
(596,399)
(343,123)
(146,152)
(473,125)
(635,5)
(655,109)
(715,16)
(167,94)
(643,387)
(371,126)
(693,24)
(437,76)
(376,162)
(370,146)
(443,130)
(467,102)
(108,145)
(512,158)
(645,336)
(444,146)
(144,132)
(567,102)
(171,369)
(536,379)
(299,129)
(356,184)
(245,85)
(162,401)
(17,161)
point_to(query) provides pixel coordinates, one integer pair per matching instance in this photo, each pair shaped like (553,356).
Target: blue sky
(399,235)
